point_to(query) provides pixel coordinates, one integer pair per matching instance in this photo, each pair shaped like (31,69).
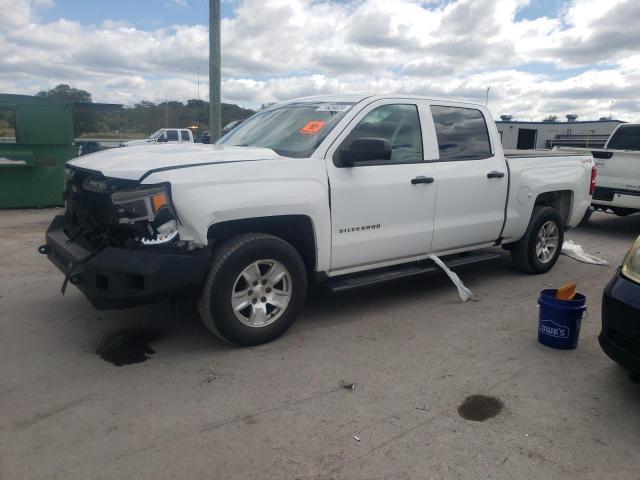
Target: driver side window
(400,125)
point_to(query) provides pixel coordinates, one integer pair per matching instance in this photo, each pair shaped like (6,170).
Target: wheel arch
(297,230)
(561,200)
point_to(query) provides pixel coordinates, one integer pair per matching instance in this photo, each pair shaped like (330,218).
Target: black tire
(229,261)
(523,252)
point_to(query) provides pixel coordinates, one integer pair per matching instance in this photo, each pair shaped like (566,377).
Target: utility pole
(486,101)
(214,70)
(198,82)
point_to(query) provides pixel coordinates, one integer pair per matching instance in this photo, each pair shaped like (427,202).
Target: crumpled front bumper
(119,277)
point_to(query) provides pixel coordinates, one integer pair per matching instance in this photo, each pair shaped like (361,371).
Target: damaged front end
(119,242)
(114,212)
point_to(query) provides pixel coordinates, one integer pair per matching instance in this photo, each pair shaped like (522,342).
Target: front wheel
(254,291)
(538,250)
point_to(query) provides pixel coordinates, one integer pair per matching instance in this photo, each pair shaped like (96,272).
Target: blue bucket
(559,324)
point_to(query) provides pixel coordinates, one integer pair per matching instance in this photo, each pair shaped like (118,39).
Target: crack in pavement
(49,413)
(223,423)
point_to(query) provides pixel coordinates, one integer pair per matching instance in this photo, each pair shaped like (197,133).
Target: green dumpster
(32,162)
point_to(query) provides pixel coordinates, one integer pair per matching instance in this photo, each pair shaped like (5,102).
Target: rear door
(185,136)
(382,211)
(471,178)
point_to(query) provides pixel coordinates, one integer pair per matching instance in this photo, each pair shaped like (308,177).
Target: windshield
(291,131)
(627,137)
(156,134)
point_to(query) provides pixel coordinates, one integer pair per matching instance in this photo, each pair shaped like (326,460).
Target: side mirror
(365,150)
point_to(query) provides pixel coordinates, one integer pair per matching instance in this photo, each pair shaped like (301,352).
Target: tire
(524,254)
(237,266)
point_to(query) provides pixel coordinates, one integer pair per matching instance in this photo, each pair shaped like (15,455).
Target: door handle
(495,174)
(415,181)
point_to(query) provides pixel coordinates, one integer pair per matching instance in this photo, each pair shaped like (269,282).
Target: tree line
(147,117)
(140,119)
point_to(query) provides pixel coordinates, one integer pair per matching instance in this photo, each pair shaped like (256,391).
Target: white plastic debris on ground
(574,250)
(464,292)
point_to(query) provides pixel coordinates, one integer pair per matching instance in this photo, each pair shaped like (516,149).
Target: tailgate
(618,170)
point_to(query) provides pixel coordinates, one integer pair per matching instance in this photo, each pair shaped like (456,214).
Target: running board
(357,280)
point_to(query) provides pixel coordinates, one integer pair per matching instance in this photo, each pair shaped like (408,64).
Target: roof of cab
(356,98)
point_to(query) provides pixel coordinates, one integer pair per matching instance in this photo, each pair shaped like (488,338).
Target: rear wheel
(538,250)
(254,291)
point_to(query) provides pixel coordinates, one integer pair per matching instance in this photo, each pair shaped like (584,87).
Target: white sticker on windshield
(333,107)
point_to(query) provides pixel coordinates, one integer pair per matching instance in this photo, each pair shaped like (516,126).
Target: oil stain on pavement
(479,408)
(129,346)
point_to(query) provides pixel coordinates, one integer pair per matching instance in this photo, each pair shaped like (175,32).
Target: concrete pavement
(200,409)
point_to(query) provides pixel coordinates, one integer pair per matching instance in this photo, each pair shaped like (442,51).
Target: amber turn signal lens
(158,201)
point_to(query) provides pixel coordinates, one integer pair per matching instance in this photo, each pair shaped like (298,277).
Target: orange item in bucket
(567,292)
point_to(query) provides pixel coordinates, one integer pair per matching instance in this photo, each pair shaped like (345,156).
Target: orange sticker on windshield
(313,127)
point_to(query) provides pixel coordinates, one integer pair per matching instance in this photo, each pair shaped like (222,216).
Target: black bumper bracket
(122,277)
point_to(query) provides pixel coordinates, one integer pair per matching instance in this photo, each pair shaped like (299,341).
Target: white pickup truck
(618,163)
(345,190)
(164,135)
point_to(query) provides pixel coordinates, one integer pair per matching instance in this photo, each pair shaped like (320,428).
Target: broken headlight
(69,173)
(631,264)
(149,212)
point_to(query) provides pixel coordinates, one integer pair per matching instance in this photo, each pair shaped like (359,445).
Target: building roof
(577,122)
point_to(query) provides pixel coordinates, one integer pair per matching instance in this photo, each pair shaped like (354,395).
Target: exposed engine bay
(106,212)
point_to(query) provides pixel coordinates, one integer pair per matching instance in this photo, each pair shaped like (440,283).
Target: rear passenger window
(627,137)
(400,124)
(172,136)
(185,135)
(462,133)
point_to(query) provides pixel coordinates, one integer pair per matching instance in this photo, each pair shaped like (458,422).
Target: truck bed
(542,153)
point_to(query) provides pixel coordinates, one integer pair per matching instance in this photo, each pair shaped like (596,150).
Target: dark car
(85,147)
(620,336)
(205,137)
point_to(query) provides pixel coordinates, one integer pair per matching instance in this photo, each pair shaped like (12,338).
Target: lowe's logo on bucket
(551,328)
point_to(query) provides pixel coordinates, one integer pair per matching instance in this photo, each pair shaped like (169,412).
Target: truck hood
(131,163)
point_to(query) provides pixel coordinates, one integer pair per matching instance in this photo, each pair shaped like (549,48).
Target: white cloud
(279,49)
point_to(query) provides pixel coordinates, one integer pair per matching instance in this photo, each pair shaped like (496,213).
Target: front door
(471,181)
(382,211)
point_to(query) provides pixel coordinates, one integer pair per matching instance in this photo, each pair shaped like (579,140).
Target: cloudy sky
(538,57)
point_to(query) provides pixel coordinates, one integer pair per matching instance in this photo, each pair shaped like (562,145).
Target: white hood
(133,143)
(131,163)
